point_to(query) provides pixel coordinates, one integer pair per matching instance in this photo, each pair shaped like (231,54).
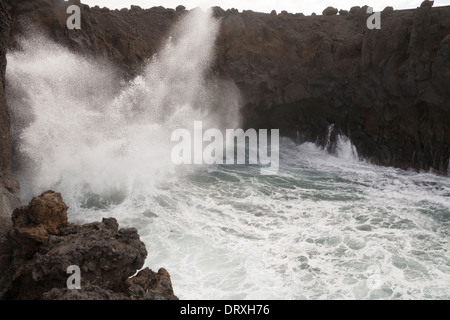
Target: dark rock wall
(9,187)
(41,244)
(388,89)
(4,116)
(127,37)
(5,151)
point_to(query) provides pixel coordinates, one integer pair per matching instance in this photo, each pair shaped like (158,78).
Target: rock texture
(4,116)
(330,11)
(9,187)
(128,37)
(41,245)
(387,90)
(5,255)
(37,243)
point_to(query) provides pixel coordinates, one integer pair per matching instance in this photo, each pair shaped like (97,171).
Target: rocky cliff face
(41,245)
(127,37)
(387,89)
(9,187)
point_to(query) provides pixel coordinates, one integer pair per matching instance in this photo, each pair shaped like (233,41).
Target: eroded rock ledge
(41,244)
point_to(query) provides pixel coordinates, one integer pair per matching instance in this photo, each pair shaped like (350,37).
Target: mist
(79,128)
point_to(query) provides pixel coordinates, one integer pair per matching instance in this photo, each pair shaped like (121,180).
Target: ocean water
(326,226)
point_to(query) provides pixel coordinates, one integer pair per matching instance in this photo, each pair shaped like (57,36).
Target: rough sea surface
(324,227)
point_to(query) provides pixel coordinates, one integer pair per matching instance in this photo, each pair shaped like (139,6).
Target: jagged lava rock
(86,293)
(149,285)
(43,245)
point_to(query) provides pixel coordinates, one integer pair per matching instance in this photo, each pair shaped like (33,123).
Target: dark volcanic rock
(387,90)
(33,224)
(330,11)
(5,255)
(146,285)
(42,245)
(4,116)
(427,3)
(85,293)
(149,285)
(39,244)
(9,191)
(125,36)
(9,187)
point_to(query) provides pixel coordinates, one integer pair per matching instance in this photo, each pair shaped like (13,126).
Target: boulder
(180,8)
(355,10)
(149,285)
(9,187)
(47,210)
(330,11)
(427,3)
(86,293)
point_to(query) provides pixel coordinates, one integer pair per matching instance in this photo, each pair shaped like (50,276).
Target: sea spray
(322,228)
(81,131)
(339,144)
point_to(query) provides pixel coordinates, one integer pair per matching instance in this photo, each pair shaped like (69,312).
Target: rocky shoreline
(40,244)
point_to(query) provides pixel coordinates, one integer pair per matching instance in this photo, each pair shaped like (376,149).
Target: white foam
(80,130)
(323,228)
(345,149)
